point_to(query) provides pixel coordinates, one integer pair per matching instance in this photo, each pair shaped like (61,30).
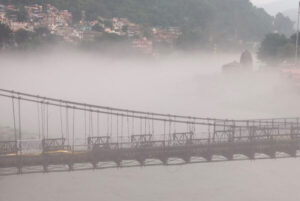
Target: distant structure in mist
(245,64)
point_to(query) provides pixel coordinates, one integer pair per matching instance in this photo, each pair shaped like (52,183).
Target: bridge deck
(140,154)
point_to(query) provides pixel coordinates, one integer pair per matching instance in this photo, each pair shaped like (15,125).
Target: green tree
(108,23)
(283,24)
(23,36)
(287,52)
(125,29)
(42,32)
(22,15)
(98,28)
(293,39)
(5,35)
(271,48)
(193,39)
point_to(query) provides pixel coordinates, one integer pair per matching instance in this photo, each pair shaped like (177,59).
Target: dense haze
(177,84)
(182,84)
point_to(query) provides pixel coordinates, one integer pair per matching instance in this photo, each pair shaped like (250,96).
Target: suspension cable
(122,127)
(117,128)
(141,126)
(91,123)
(174,125)
(20,125)
(39,123)
(132,126)
(137,116)
(67,124)
(145,131)
(103,107)
(43,119)
(98,125)
(85,126)
(164,131)
(153,125)
(14,119)
(61,121)
(111,123)
(107,125)
(170,126)
(128,126)
(73,131)
(47,119)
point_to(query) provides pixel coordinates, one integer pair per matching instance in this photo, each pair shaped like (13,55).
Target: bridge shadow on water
(130,164)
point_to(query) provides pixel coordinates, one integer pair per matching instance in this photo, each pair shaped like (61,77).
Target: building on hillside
(11,18)
(108,30)
(2,9)
(119,25)
(67,16)
(35,13)
(15,26)
(90,35)
(134,30)
(2,14)
(52,9)
(11,8)
(93,23)
(169,35)
(83,17)
(3,19)
(66,32)
(34,9)
(58,18)
(143,45)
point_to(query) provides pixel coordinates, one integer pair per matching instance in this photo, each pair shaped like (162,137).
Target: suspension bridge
(51,133)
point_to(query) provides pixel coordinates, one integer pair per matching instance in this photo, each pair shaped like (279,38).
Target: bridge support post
(20,164)
(271,154)
(229,156)
(250,155)
(292,152)
(45,167)
(187,159)
(118,163)
(45,162)
(94,163)
(164,160)
(70,166)
(19,169)
(208,157)
(141,162)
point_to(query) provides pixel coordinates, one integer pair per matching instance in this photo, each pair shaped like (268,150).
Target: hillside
(292,14)
(280,6)
(220,22)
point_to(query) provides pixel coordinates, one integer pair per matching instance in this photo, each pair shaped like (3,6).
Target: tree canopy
(5,35)
(283,24)
(277,48)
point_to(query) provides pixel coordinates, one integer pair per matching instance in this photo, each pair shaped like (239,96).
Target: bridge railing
(8,147)
(229,134)
(55,144)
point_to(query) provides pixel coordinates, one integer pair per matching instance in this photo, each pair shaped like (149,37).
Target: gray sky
(260,2)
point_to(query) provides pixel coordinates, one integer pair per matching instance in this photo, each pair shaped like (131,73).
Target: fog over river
(178,84)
